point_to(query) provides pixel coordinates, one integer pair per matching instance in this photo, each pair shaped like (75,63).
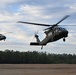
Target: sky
(38,11)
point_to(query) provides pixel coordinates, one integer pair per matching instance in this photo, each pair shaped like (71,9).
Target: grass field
(37,69)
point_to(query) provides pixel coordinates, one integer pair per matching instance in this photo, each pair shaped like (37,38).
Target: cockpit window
(0,34)
(60,28)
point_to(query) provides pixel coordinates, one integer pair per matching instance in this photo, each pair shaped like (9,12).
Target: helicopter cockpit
(60,29)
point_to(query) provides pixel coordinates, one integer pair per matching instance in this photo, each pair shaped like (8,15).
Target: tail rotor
(36,34)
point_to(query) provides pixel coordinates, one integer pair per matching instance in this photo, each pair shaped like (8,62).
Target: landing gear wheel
(64,39)
(42,47)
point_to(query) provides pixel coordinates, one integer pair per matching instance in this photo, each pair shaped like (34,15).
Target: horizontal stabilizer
(34,43)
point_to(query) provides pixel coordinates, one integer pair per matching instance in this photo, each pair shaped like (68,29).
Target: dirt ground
(37,69)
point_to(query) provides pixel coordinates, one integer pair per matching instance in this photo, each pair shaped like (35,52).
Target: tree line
(35,57)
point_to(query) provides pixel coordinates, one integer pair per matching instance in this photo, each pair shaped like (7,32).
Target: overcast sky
(39,11)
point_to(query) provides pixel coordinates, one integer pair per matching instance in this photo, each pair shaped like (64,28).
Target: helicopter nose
(4,38)
(66,33)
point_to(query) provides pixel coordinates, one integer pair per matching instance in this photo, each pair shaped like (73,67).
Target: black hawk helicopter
(53,33)
(3,37)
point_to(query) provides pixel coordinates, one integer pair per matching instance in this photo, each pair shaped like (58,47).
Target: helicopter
(3,37)
(53,33)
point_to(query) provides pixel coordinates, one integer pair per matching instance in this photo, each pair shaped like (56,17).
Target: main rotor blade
(33,23)
(59,25)
(62,19)
(47,28)
(67,25)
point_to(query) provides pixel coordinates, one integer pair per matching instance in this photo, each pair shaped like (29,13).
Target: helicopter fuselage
(56,34)
(2,37)
(52,35)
